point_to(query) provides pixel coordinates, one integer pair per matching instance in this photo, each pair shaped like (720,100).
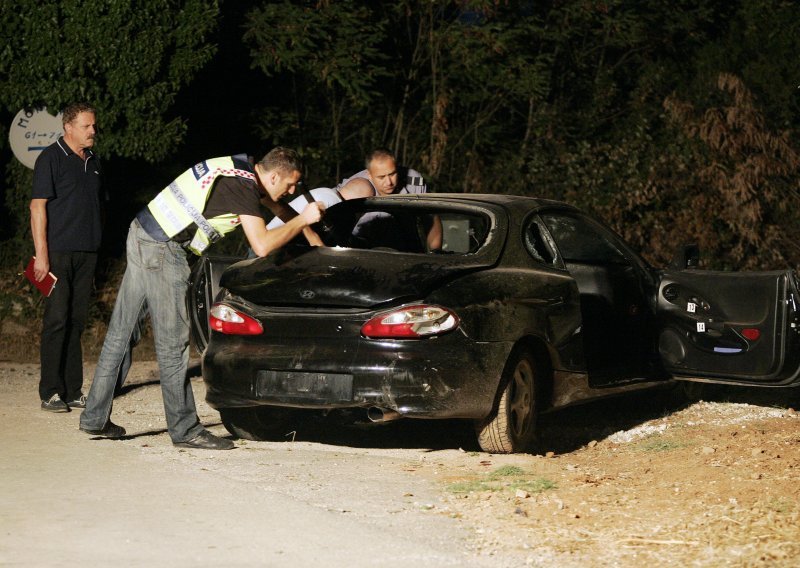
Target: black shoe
(110,430)
(79,402)
(55,404)
(205,440)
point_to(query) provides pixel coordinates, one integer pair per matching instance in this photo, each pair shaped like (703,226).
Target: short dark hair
(72,111)
(379,154)
(284,160)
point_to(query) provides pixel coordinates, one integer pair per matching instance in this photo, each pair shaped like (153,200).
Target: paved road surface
(70,500)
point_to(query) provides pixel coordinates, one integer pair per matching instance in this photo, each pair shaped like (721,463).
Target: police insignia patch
(199,170)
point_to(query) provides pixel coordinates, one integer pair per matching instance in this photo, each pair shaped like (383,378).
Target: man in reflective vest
(196,209)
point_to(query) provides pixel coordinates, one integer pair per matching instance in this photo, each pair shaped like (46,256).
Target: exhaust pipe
(377,414)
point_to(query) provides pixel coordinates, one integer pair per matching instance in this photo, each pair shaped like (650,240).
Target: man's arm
(284,213)
(357,187)
(435,234)
(39,230)
(264,241)
(312,237)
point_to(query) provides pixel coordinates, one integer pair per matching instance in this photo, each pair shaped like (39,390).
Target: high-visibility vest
(181,203)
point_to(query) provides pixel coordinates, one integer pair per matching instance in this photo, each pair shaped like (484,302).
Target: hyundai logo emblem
(307,294)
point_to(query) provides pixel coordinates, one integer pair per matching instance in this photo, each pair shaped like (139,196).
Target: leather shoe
(205,440)
(110,430)
(55,404)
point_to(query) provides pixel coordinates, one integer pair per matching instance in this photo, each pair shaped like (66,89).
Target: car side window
(580,240)
(539,244)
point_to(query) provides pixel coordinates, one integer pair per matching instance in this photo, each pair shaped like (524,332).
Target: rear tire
(513,427)
(257,423)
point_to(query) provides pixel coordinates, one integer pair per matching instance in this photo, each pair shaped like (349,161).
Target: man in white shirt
(379,178)
(382,174)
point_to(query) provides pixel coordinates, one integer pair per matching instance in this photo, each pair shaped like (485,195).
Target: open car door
(203,289)
(733,327)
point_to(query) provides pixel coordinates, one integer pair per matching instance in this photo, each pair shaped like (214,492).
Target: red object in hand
(47,283)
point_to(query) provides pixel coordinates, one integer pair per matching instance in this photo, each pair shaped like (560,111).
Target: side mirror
(688,256)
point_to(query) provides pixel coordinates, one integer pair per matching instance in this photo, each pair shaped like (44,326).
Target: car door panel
(615,322)
(729,327)
(202,291)
(615,290)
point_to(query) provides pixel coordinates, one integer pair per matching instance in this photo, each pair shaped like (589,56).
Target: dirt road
(644,480)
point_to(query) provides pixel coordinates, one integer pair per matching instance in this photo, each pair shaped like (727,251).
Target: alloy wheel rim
(521,397)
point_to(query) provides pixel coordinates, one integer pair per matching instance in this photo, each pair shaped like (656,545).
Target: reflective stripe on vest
(180,204)
(415,184)
(222,224)
(210,232)
(174,222)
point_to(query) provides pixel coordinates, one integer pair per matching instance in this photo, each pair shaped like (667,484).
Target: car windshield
(365,224)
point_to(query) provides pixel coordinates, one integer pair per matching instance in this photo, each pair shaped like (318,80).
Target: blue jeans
(156,276)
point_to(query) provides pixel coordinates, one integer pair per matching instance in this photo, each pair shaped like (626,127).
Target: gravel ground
(642,479)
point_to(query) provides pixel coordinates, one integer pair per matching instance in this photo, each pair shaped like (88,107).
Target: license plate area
(300,386)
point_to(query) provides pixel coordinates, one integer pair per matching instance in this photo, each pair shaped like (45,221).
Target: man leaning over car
(196,209)
(379,178)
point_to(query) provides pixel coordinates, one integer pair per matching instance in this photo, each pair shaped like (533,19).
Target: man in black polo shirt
(66,227)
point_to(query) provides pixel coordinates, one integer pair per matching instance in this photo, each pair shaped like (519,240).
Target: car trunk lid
(343,277)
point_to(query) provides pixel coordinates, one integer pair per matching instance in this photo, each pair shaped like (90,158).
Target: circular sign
(31,132)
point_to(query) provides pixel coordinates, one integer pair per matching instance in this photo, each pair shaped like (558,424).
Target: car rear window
(363,224)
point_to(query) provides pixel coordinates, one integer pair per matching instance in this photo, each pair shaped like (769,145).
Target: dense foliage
(673,120)
(129,59)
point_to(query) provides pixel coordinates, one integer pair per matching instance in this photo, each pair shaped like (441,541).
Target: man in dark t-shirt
(200,206)
(65,223)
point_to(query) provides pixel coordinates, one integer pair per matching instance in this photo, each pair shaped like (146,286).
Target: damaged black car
(490,308)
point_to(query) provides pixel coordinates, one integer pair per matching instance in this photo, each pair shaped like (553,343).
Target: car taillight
(411,322)
(225,319)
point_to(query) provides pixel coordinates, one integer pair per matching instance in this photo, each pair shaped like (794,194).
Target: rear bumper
(445,377)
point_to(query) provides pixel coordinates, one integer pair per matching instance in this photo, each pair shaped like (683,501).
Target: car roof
(528,202)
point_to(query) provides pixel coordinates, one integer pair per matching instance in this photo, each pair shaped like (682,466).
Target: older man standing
(66,228)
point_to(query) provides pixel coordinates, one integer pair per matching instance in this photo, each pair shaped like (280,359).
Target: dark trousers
(65,314)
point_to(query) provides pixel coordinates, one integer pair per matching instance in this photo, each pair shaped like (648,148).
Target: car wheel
(513,428)
(258,423)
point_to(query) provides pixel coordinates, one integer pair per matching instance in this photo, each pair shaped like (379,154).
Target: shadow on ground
(561,431)
(357,432)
